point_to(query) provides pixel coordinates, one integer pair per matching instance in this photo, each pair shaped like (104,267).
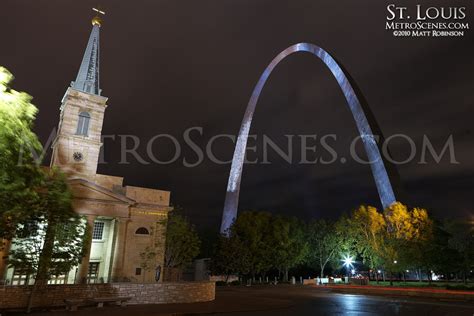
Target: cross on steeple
(97,20)
(98,10)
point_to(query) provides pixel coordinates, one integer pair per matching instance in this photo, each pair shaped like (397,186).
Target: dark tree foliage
(182,241)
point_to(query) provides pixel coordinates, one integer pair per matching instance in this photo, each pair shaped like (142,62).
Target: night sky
(168,65)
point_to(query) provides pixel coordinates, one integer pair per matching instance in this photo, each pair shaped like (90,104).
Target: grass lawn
(434,284)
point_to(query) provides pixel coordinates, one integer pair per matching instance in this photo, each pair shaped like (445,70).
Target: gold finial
(97,20)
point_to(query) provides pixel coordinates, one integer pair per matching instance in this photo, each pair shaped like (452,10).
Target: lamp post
(348,260)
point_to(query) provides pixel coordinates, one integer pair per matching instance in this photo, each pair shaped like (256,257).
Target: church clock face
(77,156)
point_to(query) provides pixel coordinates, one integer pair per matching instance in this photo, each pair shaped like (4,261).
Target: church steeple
(78,141)
(87,79)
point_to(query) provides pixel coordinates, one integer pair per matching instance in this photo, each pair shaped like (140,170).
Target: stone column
(81,276)
(5,244)
(120,242)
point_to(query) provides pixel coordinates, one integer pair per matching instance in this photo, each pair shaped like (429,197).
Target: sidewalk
(228,300)
(400,291)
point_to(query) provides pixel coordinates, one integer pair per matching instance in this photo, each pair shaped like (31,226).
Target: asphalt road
(287,300)
(310,301)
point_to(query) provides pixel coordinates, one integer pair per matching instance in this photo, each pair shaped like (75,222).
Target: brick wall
(152,293)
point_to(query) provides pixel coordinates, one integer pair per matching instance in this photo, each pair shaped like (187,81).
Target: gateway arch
(383,172)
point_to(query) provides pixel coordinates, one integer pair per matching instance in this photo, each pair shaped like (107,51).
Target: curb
(410,292)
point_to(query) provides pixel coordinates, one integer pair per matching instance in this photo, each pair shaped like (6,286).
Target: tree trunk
(46,254)
(5,246)
(286,274)
(43,263)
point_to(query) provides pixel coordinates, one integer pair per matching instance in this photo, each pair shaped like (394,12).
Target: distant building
(124,220)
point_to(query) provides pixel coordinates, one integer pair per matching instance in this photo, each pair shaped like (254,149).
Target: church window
(83,123)
(20,277)
(58,279)
(98,231)
(142,231)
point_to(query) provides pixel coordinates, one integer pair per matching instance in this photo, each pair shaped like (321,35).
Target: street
(311,301)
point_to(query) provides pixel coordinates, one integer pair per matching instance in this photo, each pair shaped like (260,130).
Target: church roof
(98,189)
(87,79)
(133,196)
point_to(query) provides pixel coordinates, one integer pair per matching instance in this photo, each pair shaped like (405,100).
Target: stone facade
(157,293)
(72,140)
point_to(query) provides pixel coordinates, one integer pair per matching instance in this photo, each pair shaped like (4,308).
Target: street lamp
(348,260)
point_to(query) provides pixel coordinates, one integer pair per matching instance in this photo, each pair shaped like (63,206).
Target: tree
(20,174)
(419,242)
(258,242)
(66,253)
(35,204)
(437,254)
(230,257)
(462,240)
(57,214)
(367,227)
(396,240)
(407,234)
(182,241)
(289,245)
(255,233)
(148,259)
(53,241)
(324,243)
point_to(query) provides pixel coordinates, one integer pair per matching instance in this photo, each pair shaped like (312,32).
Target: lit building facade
(125,221)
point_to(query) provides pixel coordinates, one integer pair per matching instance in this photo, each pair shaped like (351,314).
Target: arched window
(142,231)
(83,123)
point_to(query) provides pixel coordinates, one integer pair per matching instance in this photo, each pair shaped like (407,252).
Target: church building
(125,221)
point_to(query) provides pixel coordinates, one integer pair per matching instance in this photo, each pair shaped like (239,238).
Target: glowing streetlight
(348,261)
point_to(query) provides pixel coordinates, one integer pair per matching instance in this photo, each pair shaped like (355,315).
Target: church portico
(127,236)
